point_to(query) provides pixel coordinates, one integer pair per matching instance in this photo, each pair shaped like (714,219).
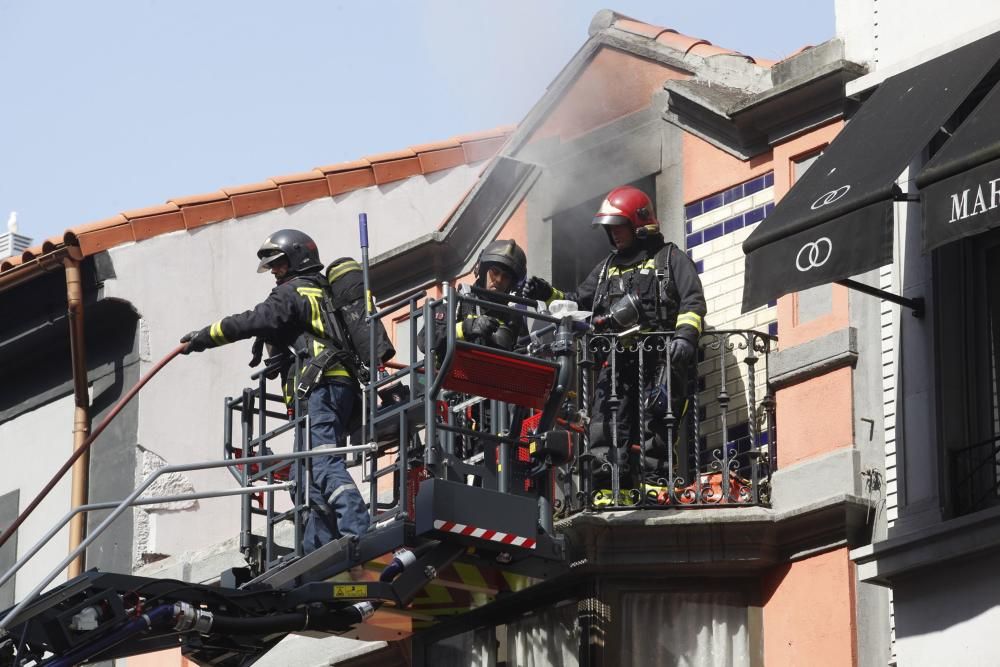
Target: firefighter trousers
(337,508)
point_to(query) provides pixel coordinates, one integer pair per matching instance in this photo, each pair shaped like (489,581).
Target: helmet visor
(610,220)
(267,258)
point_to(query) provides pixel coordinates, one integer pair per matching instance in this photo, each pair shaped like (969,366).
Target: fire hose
(88,442)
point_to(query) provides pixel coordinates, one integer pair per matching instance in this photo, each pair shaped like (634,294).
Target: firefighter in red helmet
(649,283)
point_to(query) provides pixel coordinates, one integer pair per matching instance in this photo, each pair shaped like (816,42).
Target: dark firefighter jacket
(517,325)
(290,317)
(672,300)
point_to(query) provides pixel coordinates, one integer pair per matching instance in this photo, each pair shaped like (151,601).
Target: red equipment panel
(502,376)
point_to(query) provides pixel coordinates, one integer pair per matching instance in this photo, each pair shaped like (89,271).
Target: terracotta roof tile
(101,235)
(250,187)
(431,161)
(10,263)
(192,200)
(502,131)
(480,150)
(436,146)
(391,155)
(256,201)
(198,215)
(30,253)
(340,182)
(678,41)
(707,49)
(639,28)
(51,243)
(300,177)
(299,192)
(148,226)
(150,210)
(193,211)
(345,166)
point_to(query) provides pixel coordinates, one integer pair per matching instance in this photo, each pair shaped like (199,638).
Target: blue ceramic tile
(713,232)
(753,215)
(690,254)
(762,437)
(687,227)
(733,224)
(767,209)
(768,179)
(731,195)
(692,210)
(700,266)
(772,304)
(756,185)
(694,240)
(711,203)
(772,328)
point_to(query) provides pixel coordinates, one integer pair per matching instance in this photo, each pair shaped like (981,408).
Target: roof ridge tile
(193,211)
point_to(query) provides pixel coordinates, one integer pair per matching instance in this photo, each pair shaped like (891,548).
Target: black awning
(960,186)
(837,220)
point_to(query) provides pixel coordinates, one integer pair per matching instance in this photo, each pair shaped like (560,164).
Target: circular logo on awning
(830,197)
(814,254)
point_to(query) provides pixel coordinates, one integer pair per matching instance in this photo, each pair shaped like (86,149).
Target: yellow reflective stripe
(341,269)
(216,333)
(336,371)
(690,319)
(313,294)
(556,294)
(459,332)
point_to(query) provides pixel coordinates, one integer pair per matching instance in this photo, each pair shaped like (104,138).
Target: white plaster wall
(186,280)
(892,35)
(949,616)
(36,444)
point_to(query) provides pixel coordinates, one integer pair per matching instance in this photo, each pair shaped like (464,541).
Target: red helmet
(627,205)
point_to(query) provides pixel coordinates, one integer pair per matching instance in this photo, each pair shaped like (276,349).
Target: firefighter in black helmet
(649,284)
(291,318)
(501,268)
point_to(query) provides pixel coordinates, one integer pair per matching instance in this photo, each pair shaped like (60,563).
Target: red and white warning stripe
(484,534)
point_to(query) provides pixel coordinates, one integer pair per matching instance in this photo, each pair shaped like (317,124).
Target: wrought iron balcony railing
(975,475)
(665,436)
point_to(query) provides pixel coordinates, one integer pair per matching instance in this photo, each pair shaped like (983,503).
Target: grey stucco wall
(185,280)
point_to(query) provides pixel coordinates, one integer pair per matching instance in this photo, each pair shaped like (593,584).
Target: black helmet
(291,244)
(506,254)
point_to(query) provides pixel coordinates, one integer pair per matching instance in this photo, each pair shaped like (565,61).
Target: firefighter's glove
(538,289)
(481,326)
(256,352)
(197,341)
(681,351)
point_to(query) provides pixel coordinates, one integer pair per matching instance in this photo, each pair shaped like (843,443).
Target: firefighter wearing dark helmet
(291,318)
(501,267)
(647,283)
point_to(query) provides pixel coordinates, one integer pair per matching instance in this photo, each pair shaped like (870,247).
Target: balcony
(720,419)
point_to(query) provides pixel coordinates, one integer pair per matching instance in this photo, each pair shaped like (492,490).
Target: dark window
(967,288)
(577,246)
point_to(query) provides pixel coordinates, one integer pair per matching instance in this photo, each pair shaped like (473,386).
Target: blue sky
(113,105)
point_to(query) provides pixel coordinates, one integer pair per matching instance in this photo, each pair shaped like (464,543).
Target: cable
(88,442)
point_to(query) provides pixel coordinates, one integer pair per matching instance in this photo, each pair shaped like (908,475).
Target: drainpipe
(81,411)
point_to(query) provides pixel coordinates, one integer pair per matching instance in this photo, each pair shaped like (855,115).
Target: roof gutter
(32,268)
